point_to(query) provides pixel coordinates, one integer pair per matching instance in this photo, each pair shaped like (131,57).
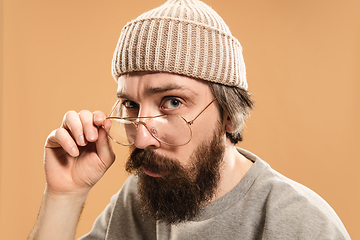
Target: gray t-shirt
(264,205)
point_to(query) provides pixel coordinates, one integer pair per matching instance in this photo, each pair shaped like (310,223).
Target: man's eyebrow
(156,90)
(166,88)
(121,94)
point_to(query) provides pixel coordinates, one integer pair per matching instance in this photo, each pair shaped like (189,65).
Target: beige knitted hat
(186,37)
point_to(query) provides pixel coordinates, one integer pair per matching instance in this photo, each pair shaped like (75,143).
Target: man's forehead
(155,83)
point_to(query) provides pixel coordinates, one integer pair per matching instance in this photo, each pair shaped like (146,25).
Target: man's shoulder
(287,204)
(280,192)
(274,186)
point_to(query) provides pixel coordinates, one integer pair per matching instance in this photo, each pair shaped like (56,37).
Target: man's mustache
(147,158)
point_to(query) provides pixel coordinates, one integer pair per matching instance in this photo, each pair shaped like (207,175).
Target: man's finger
(89,129)
(73,123)
(61,138)
(98,118)
(104,148)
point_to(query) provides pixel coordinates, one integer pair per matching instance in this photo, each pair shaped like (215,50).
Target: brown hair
(237,103)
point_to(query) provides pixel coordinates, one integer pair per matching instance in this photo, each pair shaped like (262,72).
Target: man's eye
(172,103)
(130,104)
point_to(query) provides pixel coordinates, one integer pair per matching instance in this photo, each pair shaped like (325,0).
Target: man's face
(163,93)
(174,182)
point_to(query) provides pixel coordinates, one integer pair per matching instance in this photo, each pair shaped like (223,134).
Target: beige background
(303,69)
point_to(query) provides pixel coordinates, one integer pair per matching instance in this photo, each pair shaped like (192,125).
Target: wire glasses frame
(172,130)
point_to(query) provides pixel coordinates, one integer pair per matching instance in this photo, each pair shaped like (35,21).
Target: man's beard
(180,192)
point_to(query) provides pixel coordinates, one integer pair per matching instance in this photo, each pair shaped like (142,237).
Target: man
(182,103)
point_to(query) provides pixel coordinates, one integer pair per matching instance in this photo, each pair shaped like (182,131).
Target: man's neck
(233,169)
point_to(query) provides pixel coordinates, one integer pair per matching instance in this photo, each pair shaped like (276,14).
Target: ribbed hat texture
(186,37)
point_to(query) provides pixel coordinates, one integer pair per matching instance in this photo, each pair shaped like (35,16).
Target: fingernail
(74,151)
(98,119)
(82,140)
(91,136)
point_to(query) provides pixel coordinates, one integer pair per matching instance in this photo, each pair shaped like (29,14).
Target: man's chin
(150,173)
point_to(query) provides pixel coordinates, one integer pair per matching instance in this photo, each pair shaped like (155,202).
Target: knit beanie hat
(185,37)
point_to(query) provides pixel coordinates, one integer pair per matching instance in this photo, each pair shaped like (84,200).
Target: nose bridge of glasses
(146,134)
(143,121)
(136,122)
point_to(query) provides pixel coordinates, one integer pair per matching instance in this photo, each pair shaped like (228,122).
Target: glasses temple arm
(113,108)
(192,121)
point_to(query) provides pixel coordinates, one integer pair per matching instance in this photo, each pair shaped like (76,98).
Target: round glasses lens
(169,129)
(119,130)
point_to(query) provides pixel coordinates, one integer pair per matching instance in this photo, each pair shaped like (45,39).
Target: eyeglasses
(173,130)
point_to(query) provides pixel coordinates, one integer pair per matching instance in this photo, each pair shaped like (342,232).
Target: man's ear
(228,123)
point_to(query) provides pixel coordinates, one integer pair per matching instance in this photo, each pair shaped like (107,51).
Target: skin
(76,156)
(78,153)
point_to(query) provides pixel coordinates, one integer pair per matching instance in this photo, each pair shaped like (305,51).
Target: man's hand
(76,156)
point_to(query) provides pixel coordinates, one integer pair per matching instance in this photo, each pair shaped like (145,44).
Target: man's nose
(144,139)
